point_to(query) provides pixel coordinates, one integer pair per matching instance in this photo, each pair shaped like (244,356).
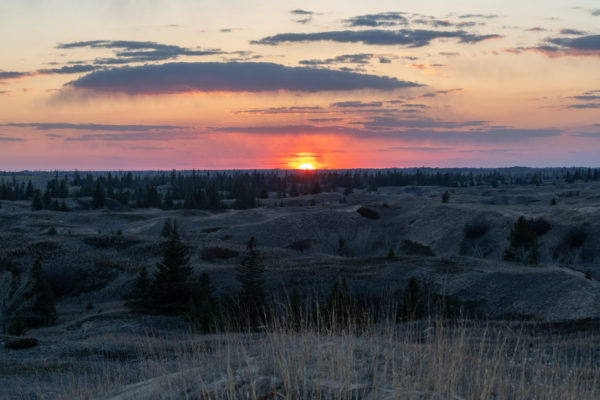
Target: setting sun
(306,167)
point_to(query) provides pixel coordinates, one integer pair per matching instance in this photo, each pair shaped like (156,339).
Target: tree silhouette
(170,289)
(250,274)
(523,245)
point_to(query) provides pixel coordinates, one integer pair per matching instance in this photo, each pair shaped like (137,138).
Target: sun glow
(306,167)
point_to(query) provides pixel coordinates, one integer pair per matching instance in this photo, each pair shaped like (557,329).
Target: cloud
(442,92)
(288,130)
(304,20)
(418,148)
(299,11)
(361,58)
(7,75)
(49,126)
(572,32)
(381,19)
(285,110)
(582,46)
(356,104)
(474,134)
(596,13)
(70,69)
(229,77)
(585,105)
(11,139)
(403,37)
(127,51)
(134,136)
(587,97)
(483,16)
(443,23)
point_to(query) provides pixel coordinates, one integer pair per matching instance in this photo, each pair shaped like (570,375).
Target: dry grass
(425,360)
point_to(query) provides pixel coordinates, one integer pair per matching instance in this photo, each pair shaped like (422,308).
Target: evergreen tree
(99,197)
(170,289)
(167,228)
(139,298)
(201,306)
(36,202)
(523,245)
(446,197)
(41,309)
(250,274)
(412,306)
(29,191)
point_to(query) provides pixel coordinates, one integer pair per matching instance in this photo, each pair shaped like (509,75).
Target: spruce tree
(170,289)
(36,202)
(250,274)
(523,245)
(99,197)
(139,298)
(167,228)
(41,309)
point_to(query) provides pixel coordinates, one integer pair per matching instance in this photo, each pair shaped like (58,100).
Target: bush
(417,249)
(51,231)
(477,227)
(21,344)
(301,245)
(576,237)
(540,226)
(210,253)
(523,243)
(368,213)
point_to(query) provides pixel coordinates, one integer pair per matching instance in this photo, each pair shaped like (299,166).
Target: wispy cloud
(229,77)
(381,19)
(403,37)
(49,126)
(11,139)
(8,75)
(360,58)
(127,51)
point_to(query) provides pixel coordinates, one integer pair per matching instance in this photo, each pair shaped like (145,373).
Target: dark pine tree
(170,290)
(99,197)
(41,309)
(36,201)
(249,273)
(139,298)
(523,245)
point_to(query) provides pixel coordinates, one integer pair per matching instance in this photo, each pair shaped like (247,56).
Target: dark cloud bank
(229,76)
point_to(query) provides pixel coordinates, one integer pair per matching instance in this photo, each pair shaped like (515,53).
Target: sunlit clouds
(332,85)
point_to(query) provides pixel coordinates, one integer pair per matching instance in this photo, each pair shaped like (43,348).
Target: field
(517,331)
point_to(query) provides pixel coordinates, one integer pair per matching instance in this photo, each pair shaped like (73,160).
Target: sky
(232,84)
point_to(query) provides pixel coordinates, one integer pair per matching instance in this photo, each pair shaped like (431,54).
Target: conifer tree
(167,228)
(41,309)
(170,289)
(139,298)
(36,202)
(523,245)
(99,196)
(250,274)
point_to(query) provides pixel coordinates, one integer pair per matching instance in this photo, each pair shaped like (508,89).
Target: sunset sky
(206,84)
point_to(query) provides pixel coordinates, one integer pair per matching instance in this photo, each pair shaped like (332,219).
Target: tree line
(213,190)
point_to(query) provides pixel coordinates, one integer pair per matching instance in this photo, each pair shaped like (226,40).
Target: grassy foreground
(417,360)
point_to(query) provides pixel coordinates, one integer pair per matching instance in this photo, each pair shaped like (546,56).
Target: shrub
(540,226)
(210,253)
(417,249)
(576,237)
(523,243)
(51,231)
(446,197)
(301,245)
(21,344)
(477,227)
(368,213)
